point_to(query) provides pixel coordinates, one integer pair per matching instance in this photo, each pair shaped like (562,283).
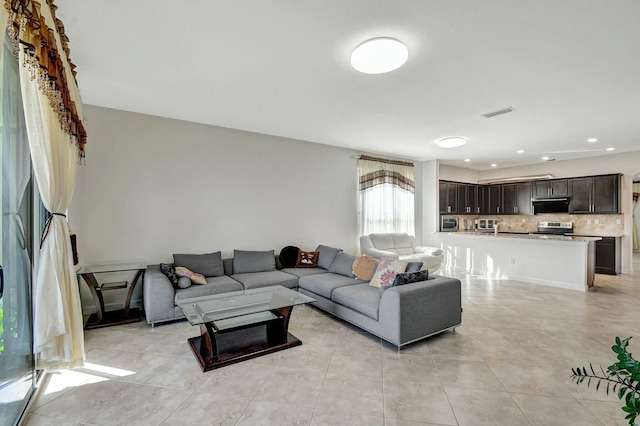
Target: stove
(554,228)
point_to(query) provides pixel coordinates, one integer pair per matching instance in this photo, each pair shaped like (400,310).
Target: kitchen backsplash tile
(601,225)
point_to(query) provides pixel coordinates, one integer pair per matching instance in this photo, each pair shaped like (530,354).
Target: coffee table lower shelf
(236,354)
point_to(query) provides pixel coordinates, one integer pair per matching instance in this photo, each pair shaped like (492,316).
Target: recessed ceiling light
(494,165)
(611,149)
(379,55)
(520,151)
(545,158)
(592,140)
(451,142)
(466,160)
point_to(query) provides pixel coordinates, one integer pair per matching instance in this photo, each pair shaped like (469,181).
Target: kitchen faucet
(495,228)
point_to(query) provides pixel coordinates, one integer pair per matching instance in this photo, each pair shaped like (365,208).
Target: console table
(102,318)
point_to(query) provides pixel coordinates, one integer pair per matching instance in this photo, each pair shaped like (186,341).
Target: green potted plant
(622,377)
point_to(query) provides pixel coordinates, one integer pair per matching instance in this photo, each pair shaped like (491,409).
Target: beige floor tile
(263,413)
(528,380)
(484,408)
(467,374)
(364,365)
(242,380)
(403,369)
(127,366)
(609,413)
(292,386)
(37,420)
(418,402)
(183,373)
(553,410)
(83,403)
(358,396)
(141,405)
(203,409)
(322,418)
(456,345)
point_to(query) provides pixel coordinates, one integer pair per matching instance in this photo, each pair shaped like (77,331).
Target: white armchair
(402,247)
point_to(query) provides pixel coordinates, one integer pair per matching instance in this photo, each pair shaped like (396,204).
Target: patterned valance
(28,31)
(378,171)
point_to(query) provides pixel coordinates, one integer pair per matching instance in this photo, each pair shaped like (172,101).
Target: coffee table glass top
(204,309)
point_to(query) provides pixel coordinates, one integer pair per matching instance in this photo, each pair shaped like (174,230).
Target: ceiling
(571,70)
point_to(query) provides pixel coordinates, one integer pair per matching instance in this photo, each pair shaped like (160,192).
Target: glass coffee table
(241,325)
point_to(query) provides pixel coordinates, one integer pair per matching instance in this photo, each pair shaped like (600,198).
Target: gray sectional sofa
(399,315)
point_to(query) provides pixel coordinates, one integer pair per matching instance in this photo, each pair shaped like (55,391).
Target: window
(385,196)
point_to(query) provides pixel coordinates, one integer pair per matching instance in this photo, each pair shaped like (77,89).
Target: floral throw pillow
(386,272)
(195,278)
(307,259)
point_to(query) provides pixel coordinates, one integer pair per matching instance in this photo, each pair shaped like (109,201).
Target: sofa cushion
(326,255)
(253,261)
(303,272)
(414,267)
(410,277)
(386,272)
(361,298)
(343,264)
(383,242)
(169,271)
(215,285)
(266,279)
(195,278)
(364,267)
(183,282)
(209,265)
(307,259)
(324,284)
(402,241)
(289,256)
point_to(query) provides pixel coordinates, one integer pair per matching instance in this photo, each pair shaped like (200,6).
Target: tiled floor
(508,364)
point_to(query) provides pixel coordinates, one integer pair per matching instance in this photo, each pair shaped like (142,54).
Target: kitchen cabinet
(493,199)
(608,255)
(595,194)
(448,197)
(551,188)
(468,199)
(516,198)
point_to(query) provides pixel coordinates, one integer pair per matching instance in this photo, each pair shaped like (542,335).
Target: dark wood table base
(218,348)
(110,318)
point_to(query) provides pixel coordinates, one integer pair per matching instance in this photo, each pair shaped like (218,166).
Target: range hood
(550,205)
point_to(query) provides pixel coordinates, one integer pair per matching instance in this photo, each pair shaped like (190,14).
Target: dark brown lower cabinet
(608,256)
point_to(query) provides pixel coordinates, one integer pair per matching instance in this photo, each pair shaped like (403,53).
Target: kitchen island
(553,260)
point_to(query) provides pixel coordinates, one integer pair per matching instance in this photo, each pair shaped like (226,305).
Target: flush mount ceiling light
(611,149)
(520,151)
(592,140)
(494,165)
(379,55)
(451,142)
(467,160)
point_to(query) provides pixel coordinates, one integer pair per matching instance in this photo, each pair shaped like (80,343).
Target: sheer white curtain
(385,196)
(56,138)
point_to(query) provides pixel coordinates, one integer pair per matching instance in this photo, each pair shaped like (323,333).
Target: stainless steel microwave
(449,224)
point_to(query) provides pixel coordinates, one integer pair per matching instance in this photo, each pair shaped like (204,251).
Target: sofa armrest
(158,295)
(379,254)
(417,310)
(433,251)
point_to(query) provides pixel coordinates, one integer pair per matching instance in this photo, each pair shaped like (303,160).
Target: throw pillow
(289,256)
(410,277)
(414,267)
(184,282)
(386,272)
(326,255)
(170,272)
(343,264)
(307,259)
(253,261)
(364,267)
(195,278)
(209,265)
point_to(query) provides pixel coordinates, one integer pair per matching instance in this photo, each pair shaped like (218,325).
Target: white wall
(153,186)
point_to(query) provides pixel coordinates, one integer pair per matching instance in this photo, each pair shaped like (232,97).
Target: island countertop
(523,235)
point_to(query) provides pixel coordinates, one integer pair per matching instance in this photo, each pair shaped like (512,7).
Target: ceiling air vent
(495,113)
